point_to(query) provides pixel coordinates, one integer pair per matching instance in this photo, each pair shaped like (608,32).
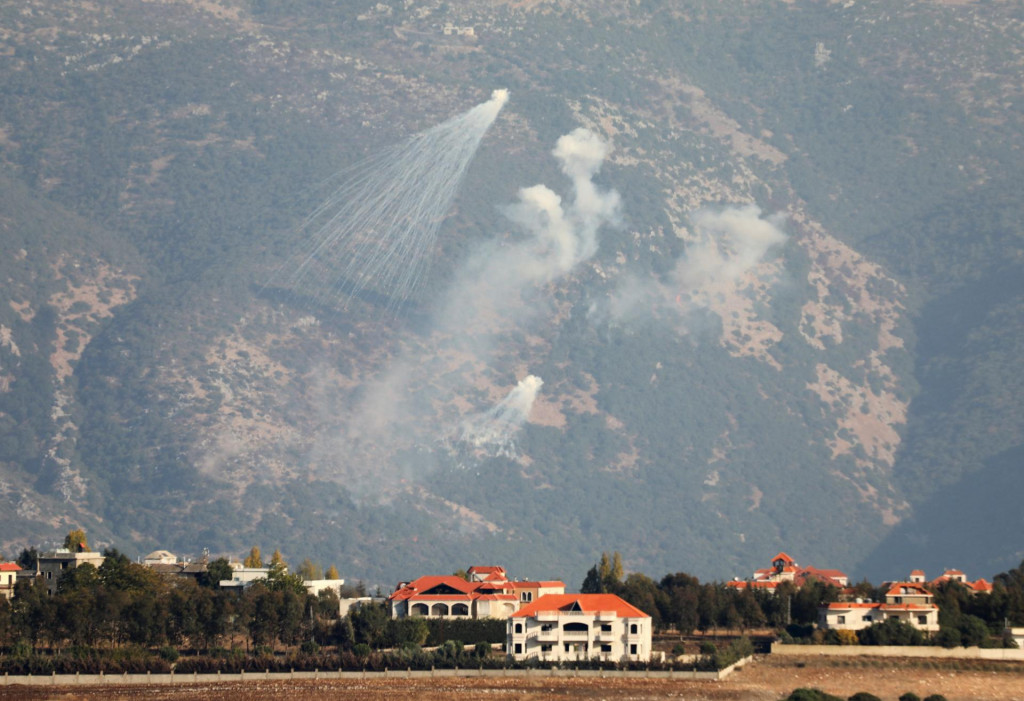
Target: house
(485,593)
(564,627)
(243,577)
(785,569)
(8,578)
(980,586)
(52,565)
(908,602)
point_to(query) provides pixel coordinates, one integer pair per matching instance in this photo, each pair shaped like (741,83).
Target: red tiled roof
(753,585)
(588,603)
(981,585)
(917,573)
(9,567)
(784,557)
(896,589)
(537,585)
(416,588)
(839,606)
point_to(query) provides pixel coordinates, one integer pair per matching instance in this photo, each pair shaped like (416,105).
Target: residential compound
(486,592)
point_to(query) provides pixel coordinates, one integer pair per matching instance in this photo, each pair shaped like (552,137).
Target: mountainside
(721,279)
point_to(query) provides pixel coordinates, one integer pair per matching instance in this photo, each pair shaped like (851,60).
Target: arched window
(439,610)
(460,610)
(420,610)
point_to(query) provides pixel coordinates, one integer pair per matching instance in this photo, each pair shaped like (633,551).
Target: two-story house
(908,602)
(562,627)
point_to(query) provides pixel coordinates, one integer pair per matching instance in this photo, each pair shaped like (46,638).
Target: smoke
(725,254)
(732,242)
(499,290)
(376,232)
(495,429)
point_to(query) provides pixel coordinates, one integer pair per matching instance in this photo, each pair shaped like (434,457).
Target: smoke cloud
(726,252)
(498,290)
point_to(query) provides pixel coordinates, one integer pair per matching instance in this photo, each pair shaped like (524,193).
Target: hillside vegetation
(844,388)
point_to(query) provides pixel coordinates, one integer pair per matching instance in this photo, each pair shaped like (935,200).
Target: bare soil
(765,679)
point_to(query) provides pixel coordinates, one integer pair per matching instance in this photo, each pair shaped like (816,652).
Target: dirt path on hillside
(765,680)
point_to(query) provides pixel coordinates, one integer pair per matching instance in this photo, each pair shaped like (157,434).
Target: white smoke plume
(726,253)
(733,241)
(494,430)
(499,290)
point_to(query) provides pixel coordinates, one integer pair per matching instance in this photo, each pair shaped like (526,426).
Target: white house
(242,576)
(563,627)
(908,602)
(8,577)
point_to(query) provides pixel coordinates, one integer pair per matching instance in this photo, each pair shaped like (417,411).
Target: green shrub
(910,696)
(804,694)
(863,696)
(169,653)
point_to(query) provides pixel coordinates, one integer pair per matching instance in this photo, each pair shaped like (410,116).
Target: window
(922,620)
(519,648)
(606,627)
(519,627)
(840,620)
(526,596)
(866,618)
(633,629)
(546,647)
(632,649)
(606,647)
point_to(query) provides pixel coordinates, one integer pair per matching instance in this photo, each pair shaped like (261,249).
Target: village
(614,620)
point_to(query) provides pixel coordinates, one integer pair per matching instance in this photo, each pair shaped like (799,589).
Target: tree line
(682,603)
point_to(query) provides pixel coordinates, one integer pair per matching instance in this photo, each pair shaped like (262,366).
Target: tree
(216,572)
(277,559)
(76,542)
(309,570)
(28,559)
(332,573)
(255,559)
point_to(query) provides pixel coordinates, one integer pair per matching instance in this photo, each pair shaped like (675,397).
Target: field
(765,679)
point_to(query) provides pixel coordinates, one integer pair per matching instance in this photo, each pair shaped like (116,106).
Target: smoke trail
(495,429)
(377,231)
(493,293)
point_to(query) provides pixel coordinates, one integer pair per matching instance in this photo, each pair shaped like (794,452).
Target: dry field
(766,679)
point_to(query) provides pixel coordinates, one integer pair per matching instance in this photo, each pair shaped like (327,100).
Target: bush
(811,695)
(935,697)
(863,696)
(309,647)
(169,653)
(708,648)
(910,696)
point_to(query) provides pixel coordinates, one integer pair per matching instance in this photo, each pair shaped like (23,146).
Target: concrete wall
(132,679)
(961,653)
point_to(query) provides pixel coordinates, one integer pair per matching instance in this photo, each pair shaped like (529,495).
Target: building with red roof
(785,569)
(8,576)
(564,627)
(908,602)
(486,593)
(980,586)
